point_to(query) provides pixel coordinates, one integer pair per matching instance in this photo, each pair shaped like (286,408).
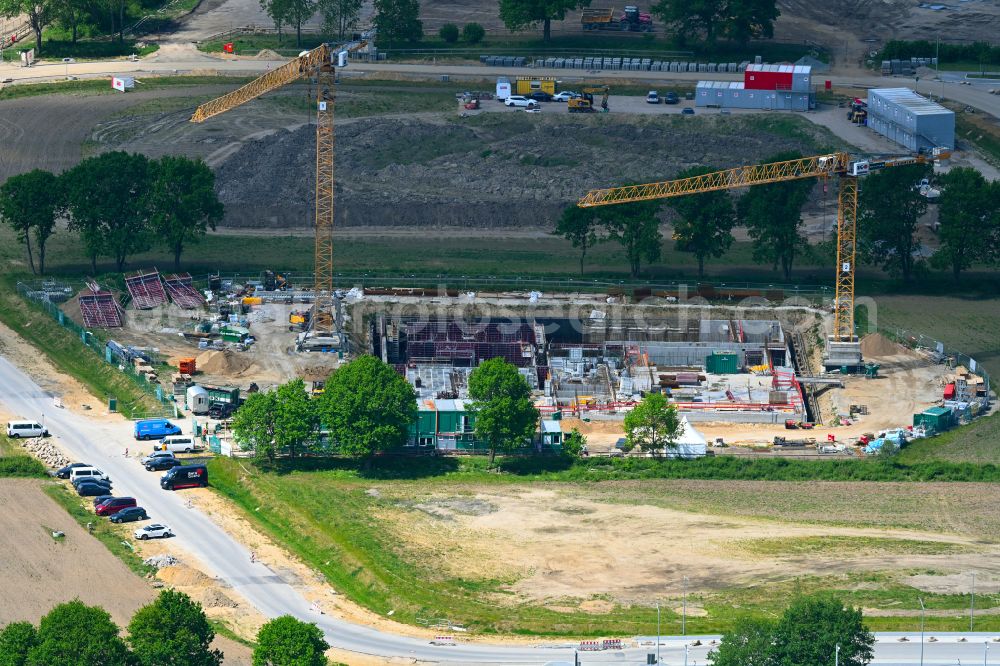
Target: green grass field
(15,461)
(348,528)
(975,443)
(53,49)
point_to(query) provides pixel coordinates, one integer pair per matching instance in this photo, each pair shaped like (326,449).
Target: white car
(156,531)
(521,101)
(533,109)
(564,96)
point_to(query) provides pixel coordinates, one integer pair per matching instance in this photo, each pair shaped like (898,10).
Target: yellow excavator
(585,104)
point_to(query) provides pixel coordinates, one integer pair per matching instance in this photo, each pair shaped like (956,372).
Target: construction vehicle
(859,112)
(585,103)
(472,104)
(272,281)
(318,65)
(630,20)
(843,347)
(298,320)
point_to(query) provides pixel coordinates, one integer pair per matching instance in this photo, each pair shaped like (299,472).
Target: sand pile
(876,344)
(268,54)
(222,362)
(182,575)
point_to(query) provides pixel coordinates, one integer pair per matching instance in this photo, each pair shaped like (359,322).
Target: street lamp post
(684,608)
(921,630)
(836,655)
(972,604)
(986,651)
(657,632)
(687,651)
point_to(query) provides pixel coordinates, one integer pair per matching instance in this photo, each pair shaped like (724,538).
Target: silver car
(156,455)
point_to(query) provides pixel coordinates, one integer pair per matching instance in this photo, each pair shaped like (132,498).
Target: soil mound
(876,344)
(222,362)
(268,54)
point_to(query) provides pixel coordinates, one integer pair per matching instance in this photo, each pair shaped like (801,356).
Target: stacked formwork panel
(182,291)
(99,308)
(146,290)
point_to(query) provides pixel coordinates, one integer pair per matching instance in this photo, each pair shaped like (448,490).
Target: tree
(254,424)
(473,33)
(574,444)
(773,215)
(889,208)
(448,33)
(172,631)
(276,10)
(520,14)
(580,227)
(285,641)
(297,12)
(706,221)
(31,203)
(295,419)
(74,634)
(183,204)
(506,417)
(653,425)
(398,20)
(636,226)
(70,14)
(39,13)
(749,643)
(368,407)
(969,213)
(16,641)
(339,16)
(739,20)
(108,201)
(810,629)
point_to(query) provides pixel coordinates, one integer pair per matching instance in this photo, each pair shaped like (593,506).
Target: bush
(473,33)
(21,466)
(449,33)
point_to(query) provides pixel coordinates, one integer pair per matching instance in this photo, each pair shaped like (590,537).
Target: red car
(114,505)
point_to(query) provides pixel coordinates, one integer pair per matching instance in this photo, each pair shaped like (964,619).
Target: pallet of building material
(146,290)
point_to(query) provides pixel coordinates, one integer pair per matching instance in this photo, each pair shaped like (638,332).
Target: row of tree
(120,204)
(890,208)
(340,17)
(172,629)
(77,17)
(367,408)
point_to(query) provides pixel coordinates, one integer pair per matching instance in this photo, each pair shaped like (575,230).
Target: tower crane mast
(321,63)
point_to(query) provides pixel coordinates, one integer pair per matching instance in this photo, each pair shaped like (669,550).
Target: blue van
(155,429)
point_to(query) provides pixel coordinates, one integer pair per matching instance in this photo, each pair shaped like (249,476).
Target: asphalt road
(102,443)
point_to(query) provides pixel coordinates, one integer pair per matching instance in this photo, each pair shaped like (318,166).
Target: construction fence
(47,295)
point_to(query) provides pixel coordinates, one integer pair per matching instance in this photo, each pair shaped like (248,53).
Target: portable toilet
(197,400)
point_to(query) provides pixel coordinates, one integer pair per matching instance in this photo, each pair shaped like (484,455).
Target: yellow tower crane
(842,344)
(320,62)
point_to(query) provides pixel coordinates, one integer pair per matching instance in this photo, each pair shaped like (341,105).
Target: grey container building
(915,122)
(733,95)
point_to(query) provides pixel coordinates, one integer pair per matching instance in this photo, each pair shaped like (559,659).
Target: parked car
(185,476)
(652,97)
(155,429)
(564,96)
(688,111)
(114,505)
(671,98)
(520,101)
(156,531)
(177,444)
(130,514)
(87,472)
(106,483)
(63,472)
(18,429)
(101,499)
(160,464)
(89,489)
(533,109)
(539,96)
(156,454)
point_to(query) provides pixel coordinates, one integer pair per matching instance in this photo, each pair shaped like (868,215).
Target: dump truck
(630,20)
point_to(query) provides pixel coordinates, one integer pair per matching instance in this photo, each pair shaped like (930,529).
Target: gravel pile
(161,561)
(46,451)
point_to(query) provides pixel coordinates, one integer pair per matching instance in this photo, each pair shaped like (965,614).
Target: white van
(78,473)
(17,429)
(177,444)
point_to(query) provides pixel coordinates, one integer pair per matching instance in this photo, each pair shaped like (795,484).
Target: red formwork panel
(181,289)
(99,308)
(146,290)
